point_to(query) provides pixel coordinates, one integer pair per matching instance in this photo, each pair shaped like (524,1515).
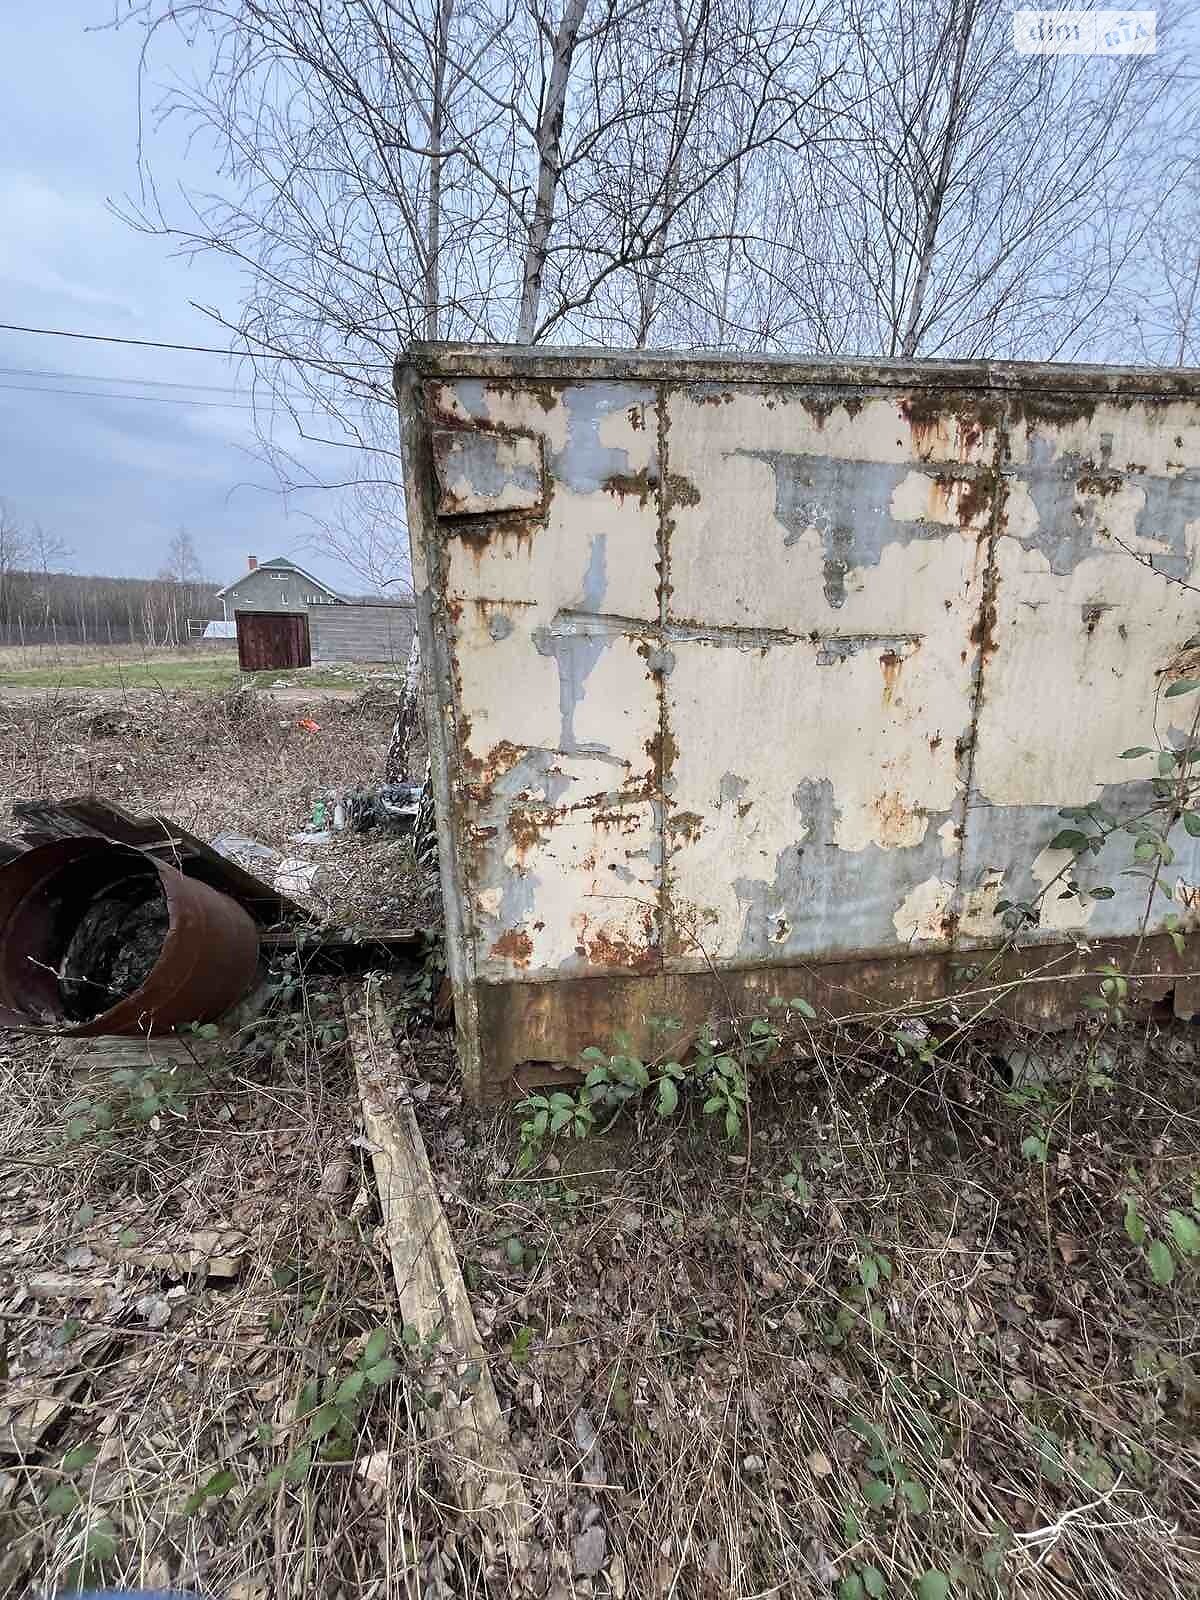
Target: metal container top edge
(573,363)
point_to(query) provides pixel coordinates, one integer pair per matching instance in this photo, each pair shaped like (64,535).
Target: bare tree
(182,564)
(549,164)
(14,555)
(48,553)
(670,105)
(878,177)
(977,200)
(399,169)
(1161,300)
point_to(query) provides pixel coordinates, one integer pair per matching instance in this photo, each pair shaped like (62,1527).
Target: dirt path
(294,694)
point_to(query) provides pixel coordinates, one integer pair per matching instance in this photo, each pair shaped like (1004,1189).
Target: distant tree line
(40,604)
(78,608)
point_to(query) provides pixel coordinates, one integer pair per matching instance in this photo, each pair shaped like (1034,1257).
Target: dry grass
(713,1368)
(935,1355)
(192,1377)
(216,762)
(27,657)
(184,1376)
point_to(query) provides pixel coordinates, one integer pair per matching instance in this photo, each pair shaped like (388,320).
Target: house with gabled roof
(276,585)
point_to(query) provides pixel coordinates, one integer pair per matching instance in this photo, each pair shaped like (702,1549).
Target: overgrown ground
(910,1333)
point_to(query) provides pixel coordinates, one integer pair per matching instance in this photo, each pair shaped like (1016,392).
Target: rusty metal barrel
(199,946)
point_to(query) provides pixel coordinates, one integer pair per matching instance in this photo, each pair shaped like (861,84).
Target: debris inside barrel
(115,945)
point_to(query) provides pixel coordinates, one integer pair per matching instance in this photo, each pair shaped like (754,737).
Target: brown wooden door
(271,640)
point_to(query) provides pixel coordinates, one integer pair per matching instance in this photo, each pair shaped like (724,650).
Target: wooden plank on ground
(32,1408)
(429,1282)
(106,1053)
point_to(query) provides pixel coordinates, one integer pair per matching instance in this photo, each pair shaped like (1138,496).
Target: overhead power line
(164,400)
(150,399)
(196,349)
(105,377)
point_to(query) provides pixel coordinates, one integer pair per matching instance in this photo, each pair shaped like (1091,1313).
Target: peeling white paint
(1060,915)
(920,918)
(818,683)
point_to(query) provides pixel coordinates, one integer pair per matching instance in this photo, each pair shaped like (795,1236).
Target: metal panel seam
(445,746)
(664,731)
(984,626)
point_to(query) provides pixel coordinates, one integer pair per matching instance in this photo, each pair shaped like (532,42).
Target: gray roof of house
(279,563)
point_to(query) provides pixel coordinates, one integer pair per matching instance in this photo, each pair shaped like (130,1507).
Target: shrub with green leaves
(65,1501)
(717,1075)
(325,1423)
(132,1097)
(1181,1240)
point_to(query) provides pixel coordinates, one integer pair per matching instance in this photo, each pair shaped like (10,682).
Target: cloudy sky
(115,477)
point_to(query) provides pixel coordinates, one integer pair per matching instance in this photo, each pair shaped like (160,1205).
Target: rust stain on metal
(819,407)
(680,491)
(895,817)
(527,827)
(441,416)
(926,418)
(614,817)
(641,485)
(481,534)
(983,630)
(545,393)
(534,1027)
(1099,483)
(662,750)
(688,824)
(514,945)
(950,423)
(891,664)
(604,950)
(966,497)
(1038,408)
(501,758)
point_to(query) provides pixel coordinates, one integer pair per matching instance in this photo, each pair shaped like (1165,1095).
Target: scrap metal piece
(90,816)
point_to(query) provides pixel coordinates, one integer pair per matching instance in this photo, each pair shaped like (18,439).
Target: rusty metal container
(207,960)
(753,678)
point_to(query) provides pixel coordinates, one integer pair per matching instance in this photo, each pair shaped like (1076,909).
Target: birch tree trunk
(549,152)
(682,120)
(937,194)
(408,724)
(437,132)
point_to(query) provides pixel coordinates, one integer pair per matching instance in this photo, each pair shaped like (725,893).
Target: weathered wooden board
(429,1283)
